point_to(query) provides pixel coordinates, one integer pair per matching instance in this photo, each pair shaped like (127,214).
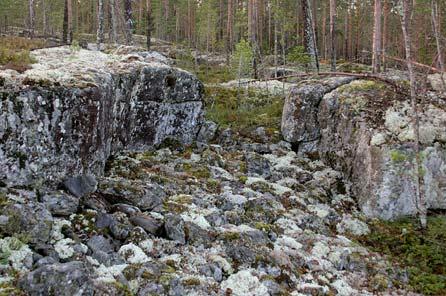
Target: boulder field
(363,129)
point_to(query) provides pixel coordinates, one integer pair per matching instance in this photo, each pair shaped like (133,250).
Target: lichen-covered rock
(71,278)
(363,128)
(67,114)
(60,203)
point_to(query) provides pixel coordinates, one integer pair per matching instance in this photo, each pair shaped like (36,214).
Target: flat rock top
(79,67)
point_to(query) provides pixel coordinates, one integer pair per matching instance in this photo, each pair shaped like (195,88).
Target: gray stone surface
(364,130)
(67,114)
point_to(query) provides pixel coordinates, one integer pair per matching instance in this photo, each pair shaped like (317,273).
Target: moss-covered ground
(244,110)
(15,52)
(421,253)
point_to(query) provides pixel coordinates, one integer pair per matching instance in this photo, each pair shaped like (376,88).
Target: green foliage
(15,52)
(75,47)
(253,110)
(299,56)
(242,59)
(397,156)
(421,252)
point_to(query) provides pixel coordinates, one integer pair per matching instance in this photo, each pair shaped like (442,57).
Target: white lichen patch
(378,139)
(196,219)
(352,226)
(343,288)
(17,255)
(80,67)
(133,254)
(320,210)
(109,273)
(243,283)
(64,248)
(56,230)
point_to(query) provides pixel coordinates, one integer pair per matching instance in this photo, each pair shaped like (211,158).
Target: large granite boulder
(74,108)
(363,128)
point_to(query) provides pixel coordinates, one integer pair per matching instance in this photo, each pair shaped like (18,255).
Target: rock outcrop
(363,128)
(74,108)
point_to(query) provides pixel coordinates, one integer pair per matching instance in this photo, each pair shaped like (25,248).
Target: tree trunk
(229,28)
(100,31)
(377,36)
(44,19)
(67,35)
(149,23)
(309,36)
(32,18)
(113,22)
(420,200)
(324,48)
(385,28)
(333,34)
(128,22)
(436,26)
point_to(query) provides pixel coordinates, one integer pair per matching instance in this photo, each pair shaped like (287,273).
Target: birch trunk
(420,200)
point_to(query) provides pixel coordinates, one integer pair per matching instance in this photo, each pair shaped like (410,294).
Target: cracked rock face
(67,114)
(363,128)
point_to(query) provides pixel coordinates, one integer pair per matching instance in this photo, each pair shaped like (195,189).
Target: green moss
(213,185)
(243,179)
(191,282)
(264,227)
(421,252)
(262,187)
(397,156)
(243,110)
(230,236)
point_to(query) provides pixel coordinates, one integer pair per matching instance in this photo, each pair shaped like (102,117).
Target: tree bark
(436,26)
(32,18)
(309,35)
(128,22)
(100,31)
(333,34)
(149,23)
(377,36)
(67,35)
(229,28)
(420,200)
(113,22)
(385,28)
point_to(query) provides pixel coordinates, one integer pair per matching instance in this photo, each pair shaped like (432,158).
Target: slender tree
(149,23)
(385,28)
(128,13)
(436,26)
(309,35)
(32,18)
(377,37)
(420,200)
(100,31)
(333,34)
(113,22)
(67,35)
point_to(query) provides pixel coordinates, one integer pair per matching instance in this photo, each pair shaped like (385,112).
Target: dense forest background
(218,25)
